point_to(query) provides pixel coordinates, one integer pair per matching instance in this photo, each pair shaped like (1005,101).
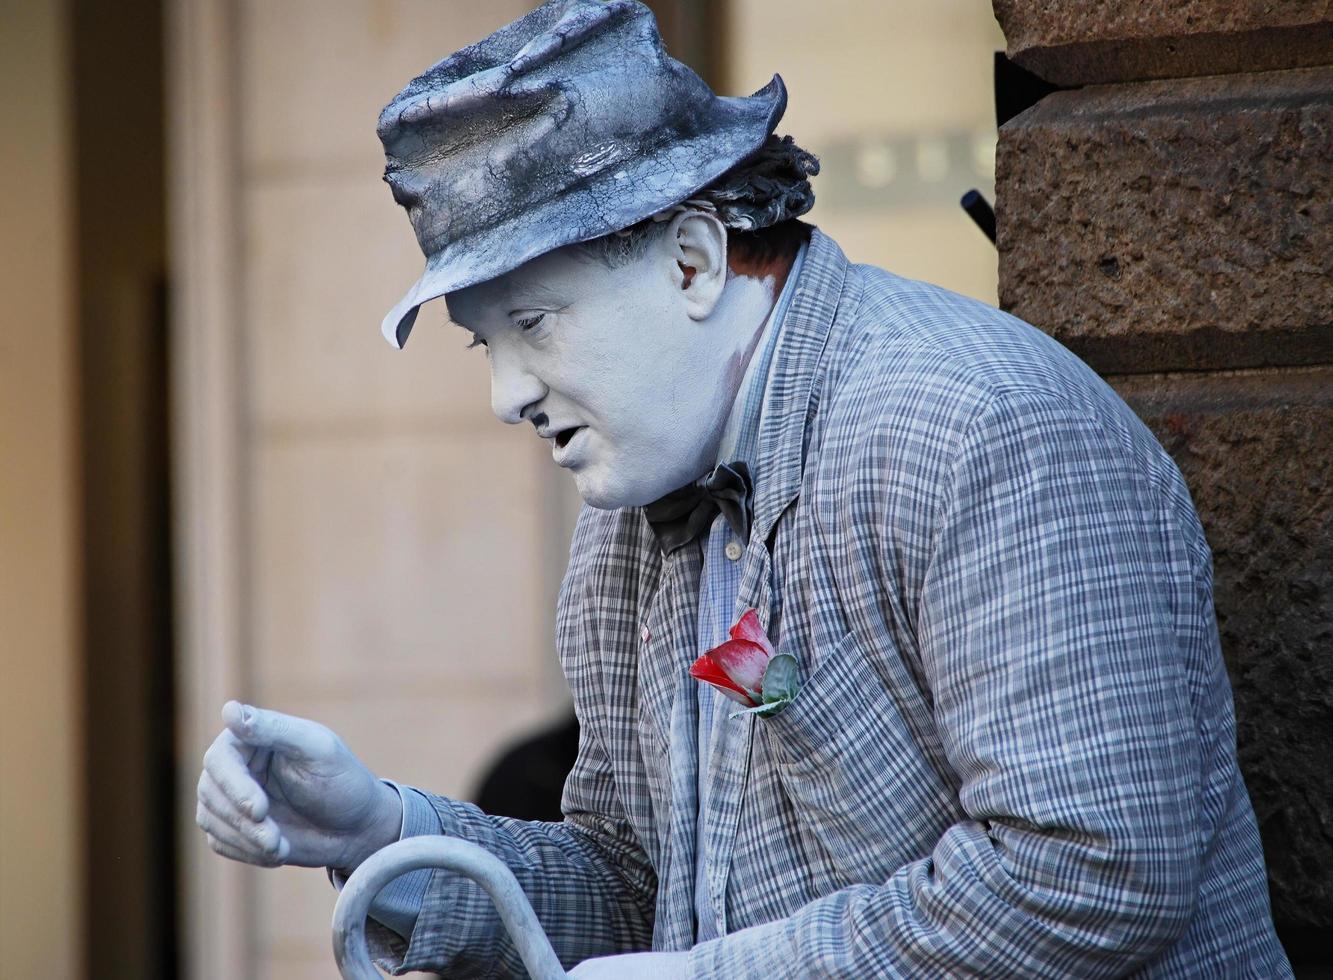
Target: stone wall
(1171,221)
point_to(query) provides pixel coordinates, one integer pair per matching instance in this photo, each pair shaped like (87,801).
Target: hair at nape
(758,201)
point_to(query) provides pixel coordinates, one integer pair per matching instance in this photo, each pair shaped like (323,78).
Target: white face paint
(628,372)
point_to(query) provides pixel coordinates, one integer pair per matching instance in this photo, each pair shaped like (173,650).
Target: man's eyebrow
(523,290)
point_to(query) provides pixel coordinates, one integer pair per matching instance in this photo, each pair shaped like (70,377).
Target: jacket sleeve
(586,877)
(1047,625)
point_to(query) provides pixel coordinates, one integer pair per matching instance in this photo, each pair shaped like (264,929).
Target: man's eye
(528,322)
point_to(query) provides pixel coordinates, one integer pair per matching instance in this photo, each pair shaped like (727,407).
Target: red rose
(746,669)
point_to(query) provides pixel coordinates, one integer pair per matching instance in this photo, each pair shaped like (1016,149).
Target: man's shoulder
(912,328)
(908,352)
(911,373)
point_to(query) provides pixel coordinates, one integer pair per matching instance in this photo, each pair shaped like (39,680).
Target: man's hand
(640,966)
(283,790)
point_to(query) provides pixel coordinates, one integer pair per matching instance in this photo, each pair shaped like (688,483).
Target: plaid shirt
(1013,750)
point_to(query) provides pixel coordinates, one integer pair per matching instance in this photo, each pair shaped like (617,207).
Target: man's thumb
(264,729)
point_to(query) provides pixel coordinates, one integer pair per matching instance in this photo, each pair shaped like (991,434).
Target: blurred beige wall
(389,553)
(897,101)
(40,774)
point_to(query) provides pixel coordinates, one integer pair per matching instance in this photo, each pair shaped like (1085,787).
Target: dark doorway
(695,32)
(120,235)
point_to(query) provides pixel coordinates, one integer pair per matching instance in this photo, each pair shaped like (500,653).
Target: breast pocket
(853,770)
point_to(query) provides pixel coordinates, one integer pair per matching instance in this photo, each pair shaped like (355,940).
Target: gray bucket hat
(568,124)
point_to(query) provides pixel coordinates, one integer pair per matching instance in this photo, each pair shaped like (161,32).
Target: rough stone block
(1256,449)
(1174,225)
(1082,42)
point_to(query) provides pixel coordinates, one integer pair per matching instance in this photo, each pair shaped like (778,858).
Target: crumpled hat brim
(617,198)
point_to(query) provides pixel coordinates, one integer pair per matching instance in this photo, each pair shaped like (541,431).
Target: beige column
(41,812)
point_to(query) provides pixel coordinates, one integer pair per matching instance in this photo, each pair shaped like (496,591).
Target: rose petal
(741,699)
(743,661)
(710,672)
(747,628)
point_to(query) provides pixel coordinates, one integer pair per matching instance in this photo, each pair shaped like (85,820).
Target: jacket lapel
(788,405)
(669,626)
(794,382)
(667,691)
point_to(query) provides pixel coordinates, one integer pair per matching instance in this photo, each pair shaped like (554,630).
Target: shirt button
(732,550)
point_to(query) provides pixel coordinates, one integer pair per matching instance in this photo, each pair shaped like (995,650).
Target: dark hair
(758,200)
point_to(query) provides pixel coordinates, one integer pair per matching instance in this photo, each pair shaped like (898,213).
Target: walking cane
(350,950)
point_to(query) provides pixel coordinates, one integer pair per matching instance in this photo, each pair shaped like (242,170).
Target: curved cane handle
(350,950)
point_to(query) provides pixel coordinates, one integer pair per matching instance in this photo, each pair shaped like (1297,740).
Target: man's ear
(696,246)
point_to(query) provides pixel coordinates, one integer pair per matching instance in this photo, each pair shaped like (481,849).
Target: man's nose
(514,389)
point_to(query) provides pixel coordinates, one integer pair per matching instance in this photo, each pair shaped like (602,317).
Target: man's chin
(602,494)
(602,498)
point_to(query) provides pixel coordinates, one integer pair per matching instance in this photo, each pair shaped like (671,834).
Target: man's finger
(212,796)
(225,762)
(298,738)
(263,843)
(235,854)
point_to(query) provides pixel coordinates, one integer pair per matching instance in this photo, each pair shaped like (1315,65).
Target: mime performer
(984,725)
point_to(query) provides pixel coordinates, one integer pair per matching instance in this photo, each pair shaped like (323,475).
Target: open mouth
(564,435)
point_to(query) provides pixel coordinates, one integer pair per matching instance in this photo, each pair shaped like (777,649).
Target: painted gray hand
(277,789)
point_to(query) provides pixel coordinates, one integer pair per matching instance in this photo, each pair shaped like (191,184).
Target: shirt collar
(740,438)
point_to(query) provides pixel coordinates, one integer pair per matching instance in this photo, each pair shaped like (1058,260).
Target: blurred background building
(219,481)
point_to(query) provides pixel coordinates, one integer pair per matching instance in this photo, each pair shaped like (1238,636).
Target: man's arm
(587,878)
(398,904)
(277,789)
(1046,630)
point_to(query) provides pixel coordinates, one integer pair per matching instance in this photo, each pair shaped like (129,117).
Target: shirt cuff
(399,904)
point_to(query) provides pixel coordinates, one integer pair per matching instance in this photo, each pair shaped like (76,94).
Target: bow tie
(684,514)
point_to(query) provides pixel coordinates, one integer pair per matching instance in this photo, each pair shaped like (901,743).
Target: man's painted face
(607,364)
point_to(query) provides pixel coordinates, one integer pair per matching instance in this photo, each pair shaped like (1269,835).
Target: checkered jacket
(1013,750)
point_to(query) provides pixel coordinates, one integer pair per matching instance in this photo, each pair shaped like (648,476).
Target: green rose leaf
(782,677)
